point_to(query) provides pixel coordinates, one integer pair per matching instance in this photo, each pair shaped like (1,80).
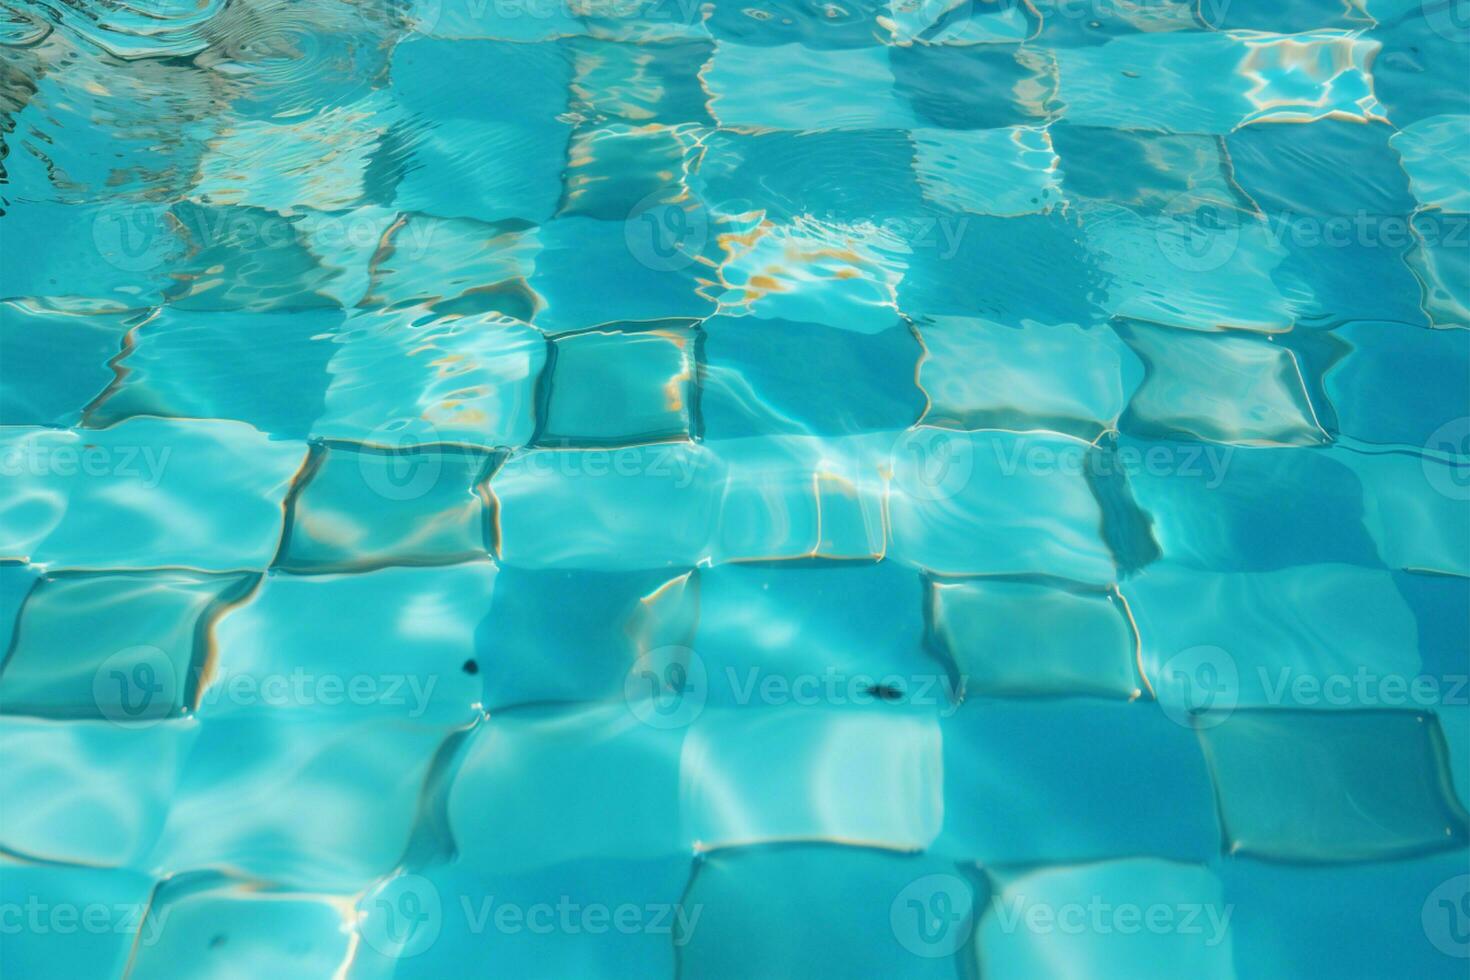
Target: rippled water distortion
(668,489)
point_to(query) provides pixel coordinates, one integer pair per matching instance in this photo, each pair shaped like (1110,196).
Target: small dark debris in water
(471,668)
(885,692)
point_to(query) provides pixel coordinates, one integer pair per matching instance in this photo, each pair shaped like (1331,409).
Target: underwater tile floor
(650,488)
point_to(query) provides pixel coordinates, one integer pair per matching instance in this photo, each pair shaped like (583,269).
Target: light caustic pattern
(655,488)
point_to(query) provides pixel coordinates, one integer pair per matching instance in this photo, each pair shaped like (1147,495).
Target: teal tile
(594,625)
(222,365)
(361,507)
(1280,776)
(88,792)
(49,906)
(517,803)
(613,388)
(1008,762)
(136,644)
(55,363)
(1110,918)
(1014,638)
(980,374)
(204,924)
(147,493)
(323,804)
(877,910)
(820,89)
(399,646)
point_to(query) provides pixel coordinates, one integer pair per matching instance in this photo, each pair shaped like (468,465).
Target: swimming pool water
(650,488)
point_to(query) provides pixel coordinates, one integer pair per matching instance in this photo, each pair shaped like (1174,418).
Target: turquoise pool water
(647,488)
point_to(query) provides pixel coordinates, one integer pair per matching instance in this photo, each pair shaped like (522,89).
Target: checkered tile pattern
(1079,364)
